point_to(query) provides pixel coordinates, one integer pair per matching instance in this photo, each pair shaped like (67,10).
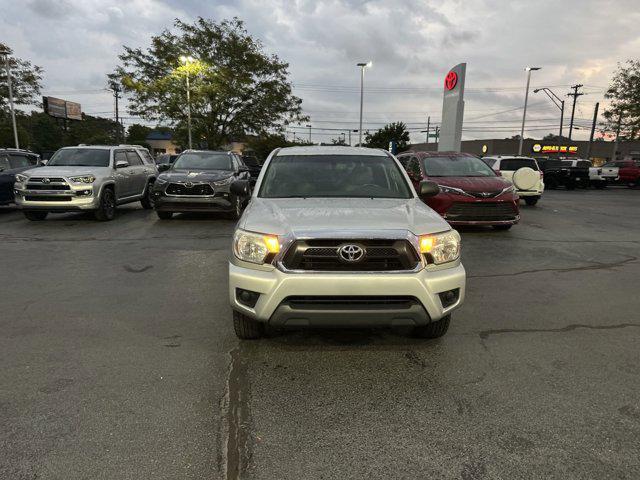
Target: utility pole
(575,94)
(10,85)
(428,127)
(437,136)
(615,143)
(116,96)
(593,128)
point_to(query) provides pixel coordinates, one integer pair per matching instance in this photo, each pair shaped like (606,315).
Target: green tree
(236,88)
(624,96)
(26,80)
(137,134)
(396,131)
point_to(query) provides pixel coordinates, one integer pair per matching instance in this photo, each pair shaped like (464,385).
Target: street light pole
(362,67)
(13,112)
(557,101)
(309,127)
(524,113)
(187,60)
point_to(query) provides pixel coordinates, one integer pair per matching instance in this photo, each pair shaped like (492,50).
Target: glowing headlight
(441,247)
(83,179)
(224,181)
(20,178)
(254,247)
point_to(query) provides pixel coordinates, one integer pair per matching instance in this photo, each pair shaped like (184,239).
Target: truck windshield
(456,166)
(80,157)
(346,176)
(203,161)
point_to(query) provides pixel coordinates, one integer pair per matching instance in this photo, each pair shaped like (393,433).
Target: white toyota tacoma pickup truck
(338,237)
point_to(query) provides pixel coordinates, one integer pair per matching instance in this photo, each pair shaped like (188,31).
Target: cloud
(411,42)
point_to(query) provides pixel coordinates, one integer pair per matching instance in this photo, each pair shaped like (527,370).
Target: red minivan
(471,193)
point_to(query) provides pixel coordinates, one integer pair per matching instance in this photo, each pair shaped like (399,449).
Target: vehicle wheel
(164,215)
(247,328)
(570,185)
(550,184)
(531,201)
(147,201)
(502,227)
(433,329)
(237,209)
(107,209)
(35,216)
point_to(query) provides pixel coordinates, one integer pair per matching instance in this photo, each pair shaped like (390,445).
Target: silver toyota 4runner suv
(337,236)
(95,178)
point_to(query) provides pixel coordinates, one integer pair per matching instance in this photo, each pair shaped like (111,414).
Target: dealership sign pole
(13,111)
(450,132)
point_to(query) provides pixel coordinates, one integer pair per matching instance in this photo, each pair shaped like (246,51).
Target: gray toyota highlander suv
(94,178)
(337,236)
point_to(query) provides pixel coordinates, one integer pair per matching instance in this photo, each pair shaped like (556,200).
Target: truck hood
(68,171)
(473,184)
(195,175)
(299,216)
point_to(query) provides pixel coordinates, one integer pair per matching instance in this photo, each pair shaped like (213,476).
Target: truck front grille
(355,302)
(323,255)
(47,198)
(43,186)
(193,190)
(466,211)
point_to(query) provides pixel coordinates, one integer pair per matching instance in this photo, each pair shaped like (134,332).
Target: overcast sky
(412,44)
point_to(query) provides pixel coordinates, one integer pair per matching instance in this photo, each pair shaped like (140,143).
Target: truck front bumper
(77,198)
(346,299)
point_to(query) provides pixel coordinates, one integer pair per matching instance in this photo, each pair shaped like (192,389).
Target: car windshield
(80,157)
(346,176)
(456,166)
(203,161)
(513,164)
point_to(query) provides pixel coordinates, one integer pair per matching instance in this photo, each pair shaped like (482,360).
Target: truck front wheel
(246,328)
(433,329)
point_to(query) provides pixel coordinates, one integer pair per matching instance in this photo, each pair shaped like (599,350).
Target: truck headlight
(441,247)
(20,178)
(255,247)
(224,181)
(83,179)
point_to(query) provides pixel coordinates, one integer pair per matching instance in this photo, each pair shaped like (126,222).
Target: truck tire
(34,215)
(531,201)
(164,215)
(433,329)
(147,199)
(107,208)
(236,213)
(246,328)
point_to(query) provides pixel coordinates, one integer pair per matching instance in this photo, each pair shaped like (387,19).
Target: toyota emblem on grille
(351,252)
(485,194)
(46,180)
(188,184)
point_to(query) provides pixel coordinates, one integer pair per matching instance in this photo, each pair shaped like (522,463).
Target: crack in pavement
(236,415)
(484,334)
(597,266)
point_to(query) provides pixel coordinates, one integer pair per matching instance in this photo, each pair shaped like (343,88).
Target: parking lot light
(526,97)
(362,66)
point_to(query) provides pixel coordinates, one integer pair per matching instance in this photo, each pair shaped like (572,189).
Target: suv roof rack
(130,145)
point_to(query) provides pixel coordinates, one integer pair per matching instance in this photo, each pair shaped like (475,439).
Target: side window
(146,156)
(404,160)
(133,158)
(239,162)
(119,156)
(4,163)
(413,168)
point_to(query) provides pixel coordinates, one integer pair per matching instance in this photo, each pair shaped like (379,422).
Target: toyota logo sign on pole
(452,109)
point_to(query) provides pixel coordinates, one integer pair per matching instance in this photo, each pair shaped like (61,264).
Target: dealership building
(601,151)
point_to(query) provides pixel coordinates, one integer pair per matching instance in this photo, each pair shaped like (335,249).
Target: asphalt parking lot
(119,359)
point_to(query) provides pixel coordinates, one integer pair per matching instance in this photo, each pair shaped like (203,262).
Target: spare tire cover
(525,178)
